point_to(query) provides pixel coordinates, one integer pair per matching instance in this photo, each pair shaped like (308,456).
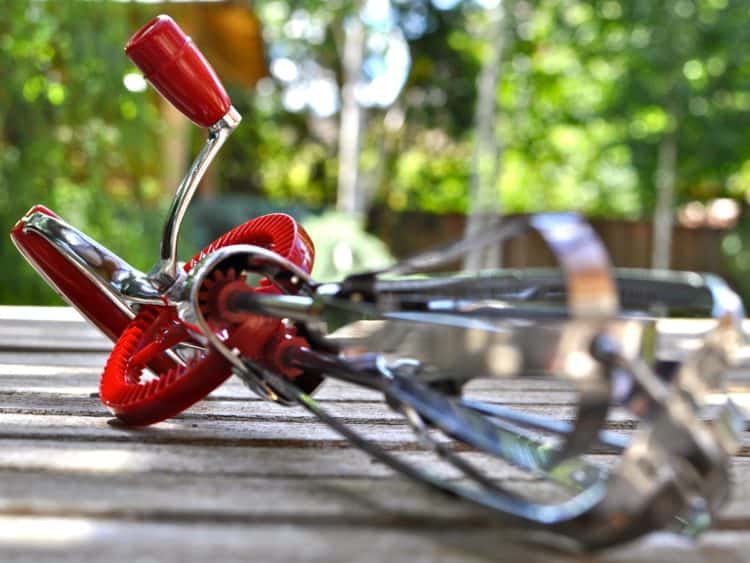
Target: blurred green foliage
(71,136)
(343,248)
(587,91)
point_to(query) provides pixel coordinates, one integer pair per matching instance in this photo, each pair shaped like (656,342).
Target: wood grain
(239,479)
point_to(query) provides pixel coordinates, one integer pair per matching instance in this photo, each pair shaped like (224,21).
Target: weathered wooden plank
(238,478)
(234,390)
(52,358)
(91,373)
(185,496)
(67,336)
(23,459)
(32,365)
(86,405)
(258,410)
(31,329)
(84,383)
(178,496)
(302,430)
(58,539)
(48,328)
(226,432)
(286,462)
(50,457)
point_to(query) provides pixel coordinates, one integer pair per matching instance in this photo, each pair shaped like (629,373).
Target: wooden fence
(628,242)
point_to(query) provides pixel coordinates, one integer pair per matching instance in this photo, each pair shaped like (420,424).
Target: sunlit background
(388,127)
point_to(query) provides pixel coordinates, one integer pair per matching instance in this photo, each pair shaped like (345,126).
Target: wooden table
(235,478)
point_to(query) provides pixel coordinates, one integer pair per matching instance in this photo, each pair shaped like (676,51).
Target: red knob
(173,64)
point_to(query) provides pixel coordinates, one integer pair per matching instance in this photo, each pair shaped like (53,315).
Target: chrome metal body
(102,267)
(420,339)
(456,346)
(427,336)
(427,331)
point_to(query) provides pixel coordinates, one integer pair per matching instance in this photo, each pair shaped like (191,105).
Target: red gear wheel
(210,291)
(155,329)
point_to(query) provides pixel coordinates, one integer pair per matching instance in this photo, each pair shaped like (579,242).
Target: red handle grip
(173,64)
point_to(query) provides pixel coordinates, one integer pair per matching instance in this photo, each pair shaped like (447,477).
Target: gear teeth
(141,392)
(274,231)
(129,395)
(179,386)
(212,284)
(161,383)
(171,376)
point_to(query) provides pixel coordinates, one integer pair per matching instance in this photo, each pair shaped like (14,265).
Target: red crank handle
(176,68)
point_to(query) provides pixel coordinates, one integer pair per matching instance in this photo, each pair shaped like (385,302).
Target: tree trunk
(666,174)
(484,197)
(348,199)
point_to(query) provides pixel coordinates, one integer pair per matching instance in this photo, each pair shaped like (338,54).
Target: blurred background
(388,127)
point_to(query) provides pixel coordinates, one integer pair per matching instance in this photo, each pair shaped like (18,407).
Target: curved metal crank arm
(425,408)
(166,271)
(407,395)
(648,490)
(482,433)
(506,503)
(422,432)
